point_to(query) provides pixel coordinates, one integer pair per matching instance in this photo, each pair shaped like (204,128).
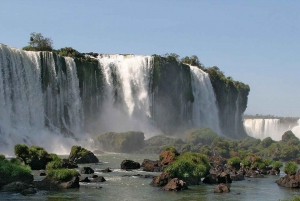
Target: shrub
(62,174)
(55,164)
(276,165)
(2,157)
(234,161)
(13,169)
(268,161)
(290,168)
(267,142)
(203,135)
(189,165)
(246,162)
(288,135)
(22,151)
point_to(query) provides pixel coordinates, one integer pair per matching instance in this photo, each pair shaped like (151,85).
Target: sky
(256,42)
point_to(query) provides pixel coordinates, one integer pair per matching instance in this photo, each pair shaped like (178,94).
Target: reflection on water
(123,185)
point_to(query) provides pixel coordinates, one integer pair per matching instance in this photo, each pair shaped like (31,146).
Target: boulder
(99,179)
(106,170)
(85,179)
(49,183)
(81,155)
(222,188)
(40,173)
(69,164)
(151,166)
(210,179)
(237,177)
(38,163)
(19,187)
(26,178)
(224,178)
(290,181)
(86,170)
(129,165)
(161,180)
(167,157)
(175,185)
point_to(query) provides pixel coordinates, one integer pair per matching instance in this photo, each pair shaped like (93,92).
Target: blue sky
(256,42)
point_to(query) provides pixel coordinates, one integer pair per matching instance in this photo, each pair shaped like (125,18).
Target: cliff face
(232,98)
(173,99)
(172,95)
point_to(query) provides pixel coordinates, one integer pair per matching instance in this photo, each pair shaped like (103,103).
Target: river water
(126,186)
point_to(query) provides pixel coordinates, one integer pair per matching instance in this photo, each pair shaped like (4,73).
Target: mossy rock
(81,155)
(125,142)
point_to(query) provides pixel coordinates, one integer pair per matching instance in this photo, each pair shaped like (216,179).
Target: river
(126,186)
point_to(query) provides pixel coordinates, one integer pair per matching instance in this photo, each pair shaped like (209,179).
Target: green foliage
(189,165)
(268,161)
(290,168)
(2,157)
(162,140)
(203,135)
(121,142)
(276,165)
(288,135)
(13,169)
(186,148)
(193,61)
(62,174)
(38,151)
(246,162)
(22,151)
(69,52)
(55,164)
(39,43)
(234,161)
(78,151)
(267,142)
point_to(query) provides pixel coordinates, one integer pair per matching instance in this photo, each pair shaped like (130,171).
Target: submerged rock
(130,165)
(19,187)
(86,170)
(161,180)
(222,188)
(151,166)
(175,185)
(49,183)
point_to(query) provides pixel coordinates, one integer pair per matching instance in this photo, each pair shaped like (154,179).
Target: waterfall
(39,100)
(204,112)
(296,129)
(127,104)
(262,128)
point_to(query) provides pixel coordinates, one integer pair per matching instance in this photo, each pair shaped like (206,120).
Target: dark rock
(254,174)
(99,179)
(28,179)
(86,179)
(106,170)
(29,191)
(151,166)
(48,183)
(81,155)
(129,165)
(37,163)
(274,172)
(175,185)
(237,177)
(222,188)
(217,161)
(86,170)
(161,180)
(15,187)
(94,176)
(290,181)
(69,164)
(224,178)
(210,179)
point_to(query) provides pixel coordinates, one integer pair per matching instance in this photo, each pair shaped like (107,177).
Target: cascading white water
(127,103)
(296,129)
(24,107)
(205,111)
(262,128)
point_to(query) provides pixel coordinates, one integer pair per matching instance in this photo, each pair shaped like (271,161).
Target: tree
(39,43)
